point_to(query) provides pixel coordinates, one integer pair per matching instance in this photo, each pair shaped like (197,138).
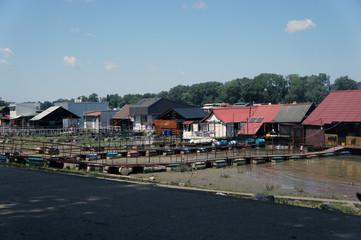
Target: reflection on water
(338,175)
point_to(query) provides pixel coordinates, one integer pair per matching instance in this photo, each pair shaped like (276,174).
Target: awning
(188,122)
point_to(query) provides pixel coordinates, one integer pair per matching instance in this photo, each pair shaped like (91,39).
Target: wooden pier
(137,161)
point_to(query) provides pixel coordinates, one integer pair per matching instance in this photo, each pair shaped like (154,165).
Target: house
(335,121)
(21,113)
(54,117)
(239,122)
(178,119)
(123,119)
(144,112)
(98,119)
(289,122)
(81,108)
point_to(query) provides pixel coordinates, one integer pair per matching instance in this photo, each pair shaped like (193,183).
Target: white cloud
(69,61)
(154,69)
(74,30)
(90,35)
(110,66)
(200,5)
(7,52)
(299,25)
(4,61)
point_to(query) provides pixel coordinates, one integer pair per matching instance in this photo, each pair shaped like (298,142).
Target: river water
(333,176)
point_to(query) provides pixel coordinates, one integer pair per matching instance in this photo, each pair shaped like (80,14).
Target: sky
(53,49)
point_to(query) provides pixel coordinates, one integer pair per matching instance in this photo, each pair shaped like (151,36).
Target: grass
(353,209)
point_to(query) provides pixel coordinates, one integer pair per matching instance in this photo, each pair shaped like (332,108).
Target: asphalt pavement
(44,205)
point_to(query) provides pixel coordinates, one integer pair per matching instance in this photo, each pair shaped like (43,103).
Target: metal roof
(49,111)
(259,114)
(338,106)
(268,112)
(123,113)
(154,106)
(293,113)
(191,113)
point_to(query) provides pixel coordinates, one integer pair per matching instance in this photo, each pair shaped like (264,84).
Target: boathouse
(147,110)
(336,121)
(179,121)
(54,117)
(122,119)
(289,122)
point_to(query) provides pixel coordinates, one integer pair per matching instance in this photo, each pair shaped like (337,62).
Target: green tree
(276,88)
(45,105)
(114,100)
(175,93)
(93,98)
(317,88)
(344,83)
(296,89)
(230,92)
(163,94)
(202,93)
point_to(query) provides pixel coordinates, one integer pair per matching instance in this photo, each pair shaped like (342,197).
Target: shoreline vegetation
(221,182)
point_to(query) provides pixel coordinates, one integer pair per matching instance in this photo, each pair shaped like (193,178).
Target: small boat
(258,160)
(34,161)
(239,161)
(277,159)
(199,165)
(219,163)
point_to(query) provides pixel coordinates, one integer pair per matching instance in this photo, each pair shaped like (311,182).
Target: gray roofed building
(184,114)
(147,110)
(294,113)
(55,116)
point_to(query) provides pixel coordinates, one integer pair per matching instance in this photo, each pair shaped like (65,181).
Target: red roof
(338,106)
(97,113)
(265,113)
(232,114)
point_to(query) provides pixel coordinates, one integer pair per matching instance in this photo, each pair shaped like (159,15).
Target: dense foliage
(264,88)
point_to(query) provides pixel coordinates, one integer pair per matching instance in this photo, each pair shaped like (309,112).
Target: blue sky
(51,49)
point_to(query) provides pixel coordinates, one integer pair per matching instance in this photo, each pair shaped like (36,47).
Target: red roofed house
(335,121)
(234,121)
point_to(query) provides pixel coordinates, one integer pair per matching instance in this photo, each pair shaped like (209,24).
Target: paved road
(41,205)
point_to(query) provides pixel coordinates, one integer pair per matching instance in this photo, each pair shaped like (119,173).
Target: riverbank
(268,178)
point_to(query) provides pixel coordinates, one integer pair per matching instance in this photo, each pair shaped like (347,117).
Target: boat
(277,159)
(219,163)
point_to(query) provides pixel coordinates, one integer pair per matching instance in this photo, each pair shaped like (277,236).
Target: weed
(270,187)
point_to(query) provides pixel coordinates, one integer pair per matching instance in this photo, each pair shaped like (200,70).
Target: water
(337,175)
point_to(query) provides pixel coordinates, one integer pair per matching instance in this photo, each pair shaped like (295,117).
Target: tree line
(264,88)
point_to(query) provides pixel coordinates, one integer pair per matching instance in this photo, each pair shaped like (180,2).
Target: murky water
(338,175)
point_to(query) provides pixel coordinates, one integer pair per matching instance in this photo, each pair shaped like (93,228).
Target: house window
(251,120)
(259,119)
(143,119)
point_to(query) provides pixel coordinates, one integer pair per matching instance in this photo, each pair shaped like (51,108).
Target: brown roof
(123,112)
